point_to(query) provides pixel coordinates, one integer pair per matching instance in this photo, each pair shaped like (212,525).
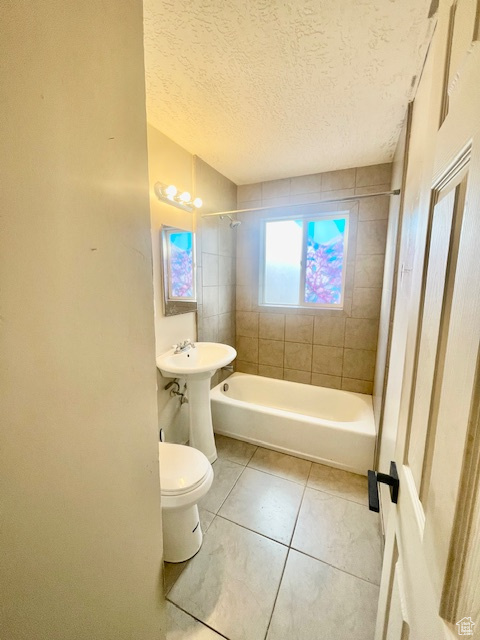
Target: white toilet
(185,477)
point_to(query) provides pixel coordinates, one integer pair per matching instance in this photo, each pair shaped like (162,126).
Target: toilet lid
(181,468)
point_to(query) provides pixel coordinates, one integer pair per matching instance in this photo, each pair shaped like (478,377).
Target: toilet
(186,475)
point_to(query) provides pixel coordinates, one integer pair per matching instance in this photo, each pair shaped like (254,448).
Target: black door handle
(391,480)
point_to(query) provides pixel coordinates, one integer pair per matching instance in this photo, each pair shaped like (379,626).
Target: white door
(431,574)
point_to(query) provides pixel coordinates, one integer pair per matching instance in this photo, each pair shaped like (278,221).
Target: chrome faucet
(184,346)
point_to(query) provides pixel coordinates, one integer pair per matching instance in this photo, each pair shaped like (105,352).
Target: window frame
(305,218)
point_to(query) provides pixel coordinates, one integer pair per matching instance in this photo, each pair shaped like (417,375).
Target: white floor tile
(281,465)
(339,483)
(232,582)
(264,503)
(226,473)
(234,450)
(318,602)
(341,533)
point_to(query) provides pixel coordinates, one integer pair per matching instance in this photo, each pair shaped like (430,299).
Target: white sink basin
(205,357)
(198,365)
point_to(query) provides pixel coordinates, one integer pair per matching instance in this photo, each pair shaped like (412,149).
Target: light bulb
(185,196)
(197,203)
(171,191)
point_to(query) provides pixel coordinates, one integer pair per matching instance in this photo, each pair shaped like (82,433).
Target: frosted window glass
(324,261)
(283,256)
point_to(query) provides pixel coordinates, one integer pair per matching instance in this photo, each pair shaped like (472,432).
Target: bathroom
(318,456)
(307,346)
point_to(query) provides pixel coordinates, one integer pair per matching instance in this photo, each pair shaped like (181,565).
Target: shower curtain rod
(395,192)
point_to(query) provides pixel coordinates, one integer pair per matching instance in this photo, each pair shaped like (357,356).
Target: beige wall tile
(376,188)
(226,299)
(247,349)
(369,271)
(357,386)
(276,188)
(327,360)
(361,333)
(306,198)
(226,270)
(247,324)
(329,331)
(298,356)
(210,301)
(278,201)
(299,328)
(210,329)
(209,235)
(373,208)
(270,372)
(364,277)
(359,364)
(227,239)
(272,326)
(271,352)
(297,376)
(344,179)
(209,270)
(246,367)
(373,175)
(371,236)
(244,272)
(248,192)
(306,184)
(337,193)
(322,380)
(226,328)
(244,298)
(366,303)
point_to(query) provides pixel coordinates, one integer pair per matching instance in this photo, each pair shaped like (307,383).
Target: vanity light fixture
(183,200)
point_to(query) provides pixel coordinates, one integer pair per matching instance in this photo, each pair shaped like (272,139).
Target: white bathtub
(324,425)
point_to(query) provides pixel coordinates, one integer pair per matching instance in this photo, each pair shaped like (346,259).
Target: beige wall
(324,347)
(81,529)
(215,251)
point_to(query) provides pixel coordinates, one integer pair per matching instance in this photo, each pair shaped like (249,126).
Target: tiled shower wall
(331,348)
(215,245)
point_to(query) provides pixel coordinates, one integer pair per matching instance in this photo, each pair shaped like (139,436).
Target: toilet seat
(182,468)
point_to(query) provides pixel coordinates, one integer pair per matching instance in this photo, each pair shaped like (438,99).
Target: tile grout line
(288,553)
(262,535)
(233,487)
(334,495)
(274,475)
(332,566)
(197,620)
(300,506)
(276,595)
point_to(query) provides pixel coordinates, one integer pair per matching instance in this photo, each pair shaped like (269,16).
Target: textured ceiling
(265,89)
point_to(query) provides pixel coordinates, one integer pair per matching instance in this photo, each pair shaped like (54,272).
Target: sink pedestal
(200,414)
(197,364)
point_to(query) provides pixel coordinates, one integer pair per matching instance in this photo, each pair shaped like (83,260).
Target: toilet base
(182,533)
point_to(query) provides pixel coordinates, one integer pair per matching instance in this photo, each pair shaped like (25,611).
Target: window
(304,261)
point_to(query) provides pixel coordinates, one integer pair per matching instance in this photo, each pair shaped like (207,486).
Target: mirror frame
(175,306)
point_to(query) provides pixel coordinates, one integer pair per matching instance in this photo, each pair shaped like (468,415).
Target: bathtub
(329,426)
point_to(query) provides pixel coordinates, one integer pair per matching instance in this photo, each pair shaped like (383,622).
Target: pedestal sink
(197,364)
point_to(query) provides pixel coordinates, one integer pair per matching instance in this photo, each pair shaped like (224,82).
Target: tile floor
(290,552)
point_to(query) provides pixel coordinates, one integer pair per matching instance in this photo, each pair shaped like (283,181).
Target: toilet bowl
(186,475)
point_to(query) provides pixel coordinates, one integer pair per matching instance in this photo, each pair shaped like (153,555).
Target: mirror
(178,258)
